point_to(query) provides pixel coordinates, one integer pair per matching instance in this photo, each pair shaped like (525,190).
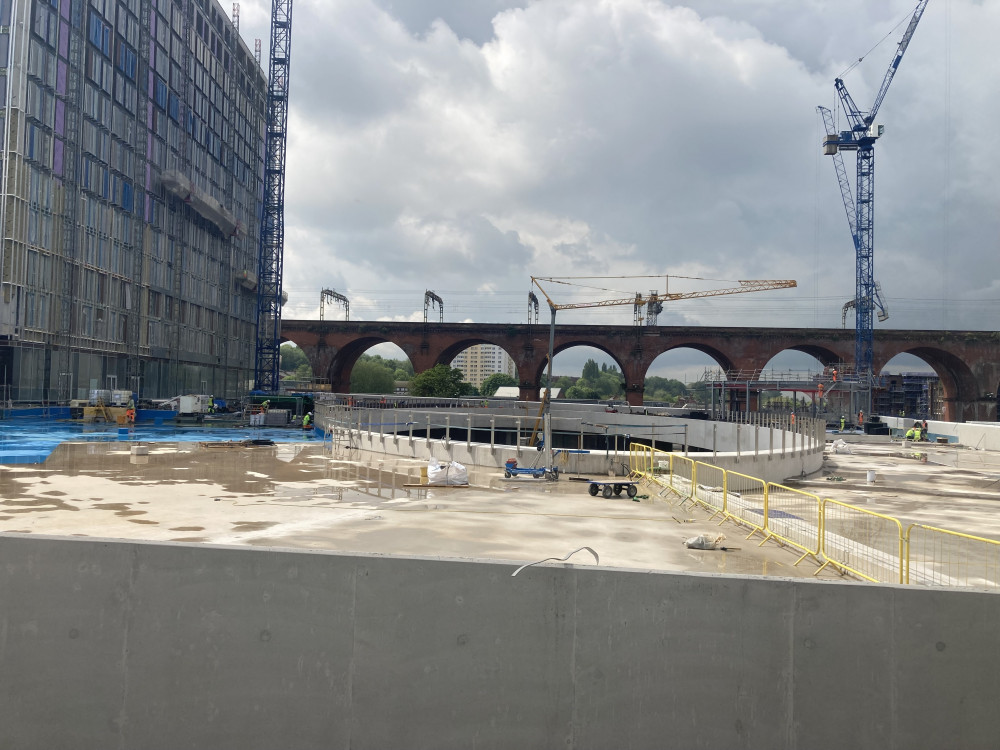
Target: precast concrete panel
(449,660)
(63,646)
(946,657)
(842,656)
(239,648)
(142,646)
(688,662)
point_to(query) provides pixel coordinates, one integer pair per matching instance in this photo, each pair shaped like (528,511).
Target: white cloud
(448,146)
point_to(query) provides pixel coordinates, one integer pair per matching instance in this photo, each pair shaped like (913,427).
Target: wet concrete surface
(310,496)
(305,496)
(951,487)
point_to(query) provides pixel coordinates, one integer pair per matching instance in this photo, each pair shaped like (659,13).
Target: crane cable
(892,31)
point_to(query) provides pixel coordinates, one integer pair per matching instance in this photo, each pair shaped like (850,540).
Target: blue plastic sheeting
(36,413)
(31,443)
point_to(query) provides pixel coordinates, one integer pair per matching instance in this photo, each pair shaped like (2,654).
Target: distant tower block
(236,17)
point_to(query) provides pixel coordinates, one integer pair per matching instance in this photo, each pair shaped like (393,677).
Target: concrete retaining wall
(146,646)
(979,435)
(765,452)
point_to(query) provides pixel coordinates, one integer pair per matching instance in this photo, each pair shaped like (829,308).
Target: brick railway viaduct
(967,362)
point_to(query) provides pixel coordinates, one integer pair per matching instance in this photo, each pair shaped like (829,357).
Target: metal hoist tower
(140,213)
(272,220)
(68,267)
(861,213)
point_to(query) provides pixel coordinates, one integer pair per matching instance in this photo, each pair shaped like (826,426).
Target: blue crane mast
(272,220)
(860,214)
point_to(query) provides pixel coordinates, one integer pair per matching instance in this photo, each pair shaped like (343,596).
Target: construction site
(396,571)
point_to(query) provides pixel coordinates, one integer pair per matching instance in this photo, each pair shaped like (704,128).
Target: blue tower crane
(860,215)
(272,220)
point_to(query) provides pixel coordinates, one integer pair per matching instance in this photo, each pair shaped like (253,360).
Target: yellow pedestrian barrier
(938,557)
(683,476)
(868,545)
(710,490)
(793,518)
(862,542)
(746,501)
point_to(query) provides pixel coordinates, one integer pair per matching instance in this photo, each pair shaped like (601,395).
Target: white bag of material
(704,542)
(436,473)
(841,446)
(452,473)
(457,474)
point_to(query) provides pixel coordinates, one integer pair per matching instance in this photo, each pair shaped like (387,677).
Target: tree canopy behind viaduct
(967,362)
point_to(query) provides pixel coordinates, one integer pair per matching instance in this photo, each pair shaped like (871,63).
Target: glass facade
(132,174)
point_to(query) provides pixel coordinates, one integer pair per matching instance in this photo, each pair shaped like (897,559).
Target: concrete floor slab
(303,496)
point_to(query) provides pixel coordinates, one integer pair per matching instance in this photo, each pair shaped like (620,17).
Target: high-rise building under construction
(132,172)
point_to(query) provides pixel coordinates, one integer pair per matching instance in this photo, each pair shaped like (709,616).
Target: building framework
(132,179)
(836,391)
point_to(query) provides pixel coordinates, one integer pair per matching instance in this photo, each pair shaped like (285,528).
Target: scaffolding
(831,394)
(104,275)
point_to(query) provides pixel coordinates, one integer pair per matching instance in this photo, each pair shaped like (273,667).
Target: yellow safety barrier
(793,518)
(938,557)
(862,542)
(868,545)
(639,459)
(710,490)
(661,462)
(746,501)
(683,476)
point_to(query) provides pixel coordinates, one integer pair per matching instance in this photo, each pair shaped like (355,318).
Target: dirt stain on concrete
(253,525)
(120,509)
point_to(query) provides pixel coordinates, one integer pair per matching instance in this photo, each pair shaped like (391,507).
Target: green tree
(303,373)
(441,381)
(371,376)
(591,371)
(609,385)
(664,389)
(582,391)
(491,382)
(292,357)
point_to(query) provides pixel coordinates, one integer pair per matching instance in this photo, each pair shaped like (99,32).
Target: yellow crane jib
(637,299)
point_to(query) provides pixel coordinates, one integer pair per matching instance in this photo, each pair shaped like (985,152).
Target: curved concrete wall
(147,646)
(771,453)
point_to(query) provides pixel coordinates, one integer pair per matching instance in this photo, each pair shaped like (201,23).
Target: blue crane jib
(860,207)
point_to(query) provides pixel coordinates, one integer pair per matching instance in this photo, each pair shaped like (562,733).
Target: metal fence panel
(793,517)
(746,500)
(683,473)
(862,542)
(938,557)
(710,490)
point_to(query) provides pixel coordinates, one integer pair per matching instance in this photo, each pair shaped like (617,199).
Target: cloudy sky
(464,146)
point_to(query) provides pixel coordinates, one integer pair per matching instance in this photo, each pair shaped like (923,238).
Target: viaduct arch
(967,362)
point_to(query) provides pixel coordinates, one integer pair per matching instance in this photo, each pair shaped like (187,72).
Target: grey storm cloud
(469,146)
